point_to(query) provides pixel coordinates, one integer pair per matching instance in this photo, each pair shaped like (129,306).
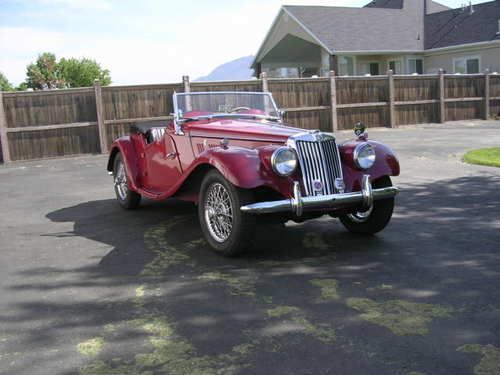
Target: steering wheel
(239,109)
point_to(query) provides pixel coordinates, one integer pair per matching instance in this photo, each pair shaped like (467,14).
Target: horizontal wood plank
(362,105)
(20,94)
(417,102)
(306,109)
(142,119)
(50,127)
(461,100)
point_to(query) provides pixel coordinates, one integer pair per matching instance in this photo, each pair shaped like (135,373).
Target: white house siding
(362,62)
(489,58)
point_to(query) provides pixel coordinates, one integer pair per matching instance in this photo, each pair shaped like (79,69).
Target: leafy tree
(4,83)
(22,87)
(44,73)
(82,72)
(47,73)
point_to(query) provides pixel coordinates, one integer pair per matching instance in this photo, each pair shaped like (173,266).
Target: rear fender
(125,147)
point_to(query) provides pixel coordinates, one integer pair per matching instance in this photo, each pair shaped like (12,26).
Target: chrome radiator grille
(320,165)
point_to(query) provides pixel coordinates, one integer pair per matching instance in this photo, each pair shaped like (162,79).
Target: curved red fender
(246,168)
(125,146)
(386,164)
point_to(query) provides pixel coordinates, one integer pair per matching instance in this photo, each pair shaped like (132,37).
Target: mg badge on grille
(317,186)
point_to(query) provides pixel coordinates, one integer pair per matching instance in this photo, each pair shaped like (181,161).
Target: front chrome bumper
(298,204)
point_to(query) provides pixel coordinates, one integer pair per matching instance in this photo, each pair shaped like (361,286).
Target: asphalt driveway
(88,288)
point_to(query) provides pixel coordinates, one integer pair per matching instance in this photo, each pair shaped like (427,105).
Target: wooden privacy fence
(43,124)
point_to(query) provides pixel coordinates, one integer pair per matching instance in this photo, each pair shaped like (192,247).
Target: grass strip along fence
(43,124)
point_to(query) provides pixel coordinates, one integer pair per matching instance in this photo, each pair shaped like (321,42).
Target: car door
(163,169)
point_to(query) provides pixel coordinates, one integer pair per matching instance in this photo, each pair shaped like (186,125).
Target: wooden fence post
(392,105)
(265,83)
(333,100)
(487,94)
(442,103)
(103,137)
(187,89)
(3,132)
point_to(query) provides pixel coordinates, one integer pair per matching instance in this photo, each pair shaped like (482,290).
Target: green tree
(82,72)
(48,73)
(23,86)
(4,83)
(44,73)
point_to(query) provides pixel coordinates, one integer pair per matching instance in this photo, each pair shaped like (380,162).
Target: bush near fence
(42,124)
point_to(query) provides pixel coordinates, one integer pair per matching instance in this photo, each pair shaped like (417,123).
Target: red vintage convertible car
(231,154)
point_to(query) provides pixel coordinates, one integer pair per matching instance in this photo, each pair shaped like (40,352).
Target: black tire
(127,198)
(379,217)
(241,234)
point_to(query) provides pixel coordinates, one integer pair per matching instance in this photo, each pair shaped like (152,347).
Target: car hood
(244,130)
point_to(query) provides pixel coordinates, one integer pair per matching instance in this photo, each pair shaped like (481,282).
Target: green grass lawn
(485,156)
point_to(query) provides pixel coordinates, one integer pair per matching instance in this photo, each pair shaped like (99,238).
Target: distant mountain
(238,69)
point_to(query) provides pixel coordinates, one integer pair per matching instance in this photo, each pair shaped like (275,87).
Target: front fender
(246,168)
(125,147)
(386,164)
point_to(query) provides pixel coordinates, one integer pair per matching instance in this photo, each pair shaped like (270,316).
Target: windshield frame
(178,121)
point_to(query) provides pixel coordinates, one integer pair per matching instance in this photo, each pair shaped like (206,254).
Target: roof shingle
(366,29)
(458,26)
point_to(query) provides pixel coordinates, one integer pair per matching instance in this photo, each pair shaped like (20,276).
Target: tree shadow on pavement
(441,248)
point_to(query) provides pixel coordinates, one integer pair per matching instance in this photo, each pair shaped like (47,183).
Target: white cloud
(20,46)
(161,50)
(71,4)
(81,4)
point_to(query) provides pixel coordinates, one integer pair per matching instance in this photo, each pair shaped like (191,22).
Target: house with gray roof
(407,36)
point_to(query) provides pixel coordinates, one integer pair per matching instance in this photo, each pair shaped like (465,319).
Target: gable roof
(458,26)
(388,26)
(389,4)
(343,29)
(432,6)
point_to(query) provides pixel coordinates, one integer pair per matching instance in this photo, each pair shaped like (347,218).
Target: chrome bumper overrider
(298,204)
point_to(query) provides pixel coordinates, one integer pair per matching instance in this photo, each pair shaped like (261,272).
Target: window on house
(374,69)
(371,68)
(308,72)
(466,65)
(396,66)
(415,66)
(346,66)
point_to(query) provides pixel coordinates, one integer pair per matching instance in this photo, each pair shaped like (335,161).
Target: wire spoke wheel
(121,181)
(127,198)
(218,212)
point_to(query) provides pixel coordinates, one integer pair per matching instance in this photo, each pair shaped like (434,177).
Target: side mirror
(281,114)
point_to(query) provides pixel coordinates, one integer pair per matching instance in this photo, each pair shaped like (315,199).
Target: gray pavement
(88,288)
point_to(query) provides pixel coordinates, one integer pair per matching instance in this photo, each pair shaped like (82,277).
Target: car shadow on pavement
(441,248)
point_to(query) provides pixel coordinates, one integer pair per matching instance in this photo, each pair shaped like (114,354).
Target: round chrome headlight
(284,161)
(364,156)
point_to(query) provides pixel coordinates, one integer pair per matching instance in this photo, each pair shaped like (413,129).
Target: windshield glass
(208,104)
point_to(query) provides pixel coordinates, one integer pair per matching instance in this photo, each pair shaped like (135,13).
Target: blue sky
(141,41)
